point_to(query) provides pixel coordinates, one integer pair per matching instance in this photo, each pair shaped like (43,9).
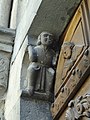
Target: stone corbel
(41,69)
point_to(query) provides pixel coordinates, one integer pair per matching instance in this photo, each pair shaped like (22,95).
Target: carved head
(45,38)
(67,49)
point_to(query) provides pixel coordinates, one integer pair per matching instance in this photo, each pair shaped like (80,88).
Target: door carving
(74,60)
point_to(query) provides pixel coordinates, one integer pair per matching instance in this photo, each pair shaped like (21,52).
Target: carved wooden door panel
(74,60)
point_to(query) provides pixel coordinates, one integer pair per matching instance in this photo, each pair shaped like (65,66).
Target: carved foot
(50,96)
(28,92)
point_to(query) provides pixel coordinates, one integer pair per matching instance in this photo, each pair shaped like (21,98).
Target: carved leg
(32,74)
(49,82)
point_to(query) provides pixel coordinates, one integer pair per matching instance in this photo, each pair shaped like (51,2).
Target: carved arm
(32,54)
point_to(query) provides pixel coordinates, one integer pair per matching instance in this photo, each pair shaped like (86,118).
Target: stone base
(31,109)
(38,95)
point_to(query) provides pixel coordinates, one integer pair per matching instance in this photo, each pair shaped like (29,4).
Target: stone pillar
(22,5)
(18,9)
(5,6)
(13,19)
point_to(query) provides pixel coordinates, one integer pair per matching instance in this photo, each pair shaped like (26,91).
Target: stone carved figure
(67,49)
(79,108)
(40,72)
(70,53)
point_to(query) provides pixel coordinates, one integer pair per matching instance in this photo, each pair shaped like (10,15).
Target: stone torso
(44,56)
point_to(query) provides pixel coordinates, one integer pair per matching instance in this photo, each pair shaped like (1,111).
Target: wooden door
(74,60)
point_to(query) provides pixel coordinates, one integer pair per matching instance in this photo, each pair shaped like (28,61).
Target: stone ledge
(7,37)
(38,96)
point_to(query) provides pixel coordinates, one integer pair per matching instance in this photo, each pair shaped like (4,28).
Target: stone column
(13,19)
(5,6)
(22,5)
(18,9)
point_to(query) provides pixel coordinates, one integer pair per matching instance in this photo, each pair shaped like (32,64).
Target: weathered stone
(53,16)
(41,70)
(6,42)
(13,19)
(2,110)
(34,110)
(7,36)
(6,45)
(70,53)
(5,6)
(14,102)
(18,9)
(22,6)
(23,28)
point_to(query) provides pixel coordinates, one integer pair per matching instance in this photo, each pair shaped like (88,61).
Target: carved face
(67,50)
(46,38)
